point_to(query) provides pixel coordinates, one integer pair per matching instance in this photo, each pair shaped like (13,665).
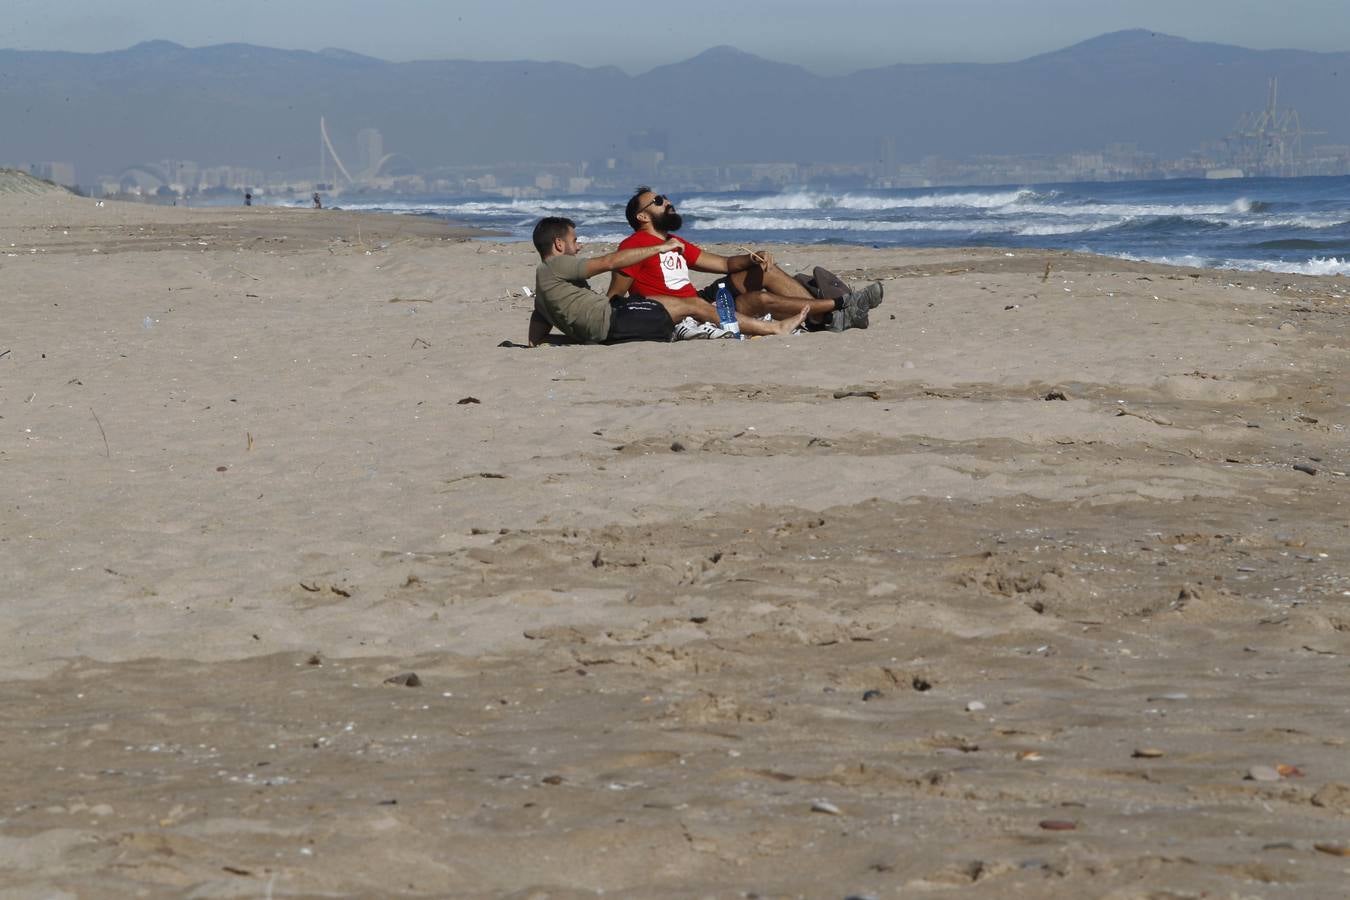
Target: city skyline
(1106,108)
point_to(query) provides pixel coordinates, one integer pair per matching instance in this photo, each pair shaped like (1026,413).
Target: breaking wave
(1314,266)
(1280,225)
(503,208)
(810,200)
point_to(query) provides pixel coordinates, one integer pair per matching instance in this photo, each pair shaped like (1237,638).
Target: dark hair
(631,210)
(548,230)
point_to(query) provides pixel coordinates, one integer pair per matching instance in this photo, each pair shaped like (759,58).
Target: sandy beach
(1038,587)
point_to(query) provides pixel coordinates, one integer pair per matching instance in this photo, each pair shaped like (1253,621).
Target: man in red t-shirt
(759,285)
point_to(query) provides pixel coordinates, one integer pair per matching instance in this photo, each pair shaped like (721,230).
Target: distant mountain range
(259,107)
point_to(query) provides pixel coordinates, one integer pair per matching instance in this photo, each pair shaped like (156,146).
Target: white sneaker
(688,329)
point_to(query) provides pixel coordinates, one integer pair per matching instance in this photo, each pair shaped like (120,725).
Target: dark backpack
(823,284)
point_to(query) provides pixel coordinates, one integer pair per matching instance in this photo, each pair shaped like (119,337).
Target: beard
(669,220)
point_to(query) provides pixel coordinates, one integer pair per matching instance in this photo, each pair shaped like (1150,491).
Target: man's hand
(762,258)
(539,329)
(672,244)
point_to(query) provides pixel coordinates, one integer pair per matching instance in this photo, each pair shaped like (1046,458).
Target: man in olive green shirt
(564,301)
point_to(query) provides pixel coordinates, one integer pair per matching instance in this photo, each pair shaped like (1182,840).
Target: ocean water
(1299,225)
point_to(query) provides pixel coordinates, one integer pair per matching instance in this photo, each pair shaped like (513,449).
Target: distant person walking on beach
(248,198)
(761,287)
(563,300)
(318,204)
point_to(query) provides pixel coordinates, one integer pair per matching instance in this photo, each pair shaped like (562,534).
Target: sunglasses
(658,200)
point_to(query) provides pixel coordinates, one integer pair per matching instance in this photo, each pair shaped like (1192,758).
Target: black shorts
(709,291)
(638,319)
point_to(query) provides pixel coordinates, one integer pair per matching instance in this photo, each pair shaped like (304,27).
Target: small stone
(974,706)
(1147,753)
(552,779)
(1058,825)
(1332,849)
(1056,395)
(826,807)
(677,447)
(405,679)
(1288,326)
(1333,795)
(1030,756)
(1263,773)
(871,695)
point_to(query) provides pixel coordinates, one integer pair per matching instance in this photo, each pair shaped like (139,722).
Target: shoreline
(892,597)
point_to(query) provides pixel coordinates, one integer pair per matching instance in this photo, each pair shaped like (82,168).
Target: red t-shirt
(663,275)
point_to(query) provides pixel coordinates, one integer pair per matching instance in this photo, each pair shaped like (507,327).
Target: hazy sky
(826,36)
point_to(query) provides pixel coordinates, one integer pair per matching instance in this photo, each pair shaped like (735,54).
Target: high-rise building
(369,150)
(58,172)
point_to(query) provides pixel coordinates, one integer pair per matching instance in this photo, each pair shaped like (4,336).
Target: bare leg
(697,308)
(757,303)
(775,281)
(753,327)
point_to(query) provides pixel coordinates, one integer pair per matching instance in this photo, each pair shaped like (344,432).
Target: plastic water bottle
(726,309)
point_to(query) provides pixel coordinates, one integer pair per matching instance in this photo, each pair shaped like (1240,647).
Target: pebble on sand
(1333,795)
(1058,825)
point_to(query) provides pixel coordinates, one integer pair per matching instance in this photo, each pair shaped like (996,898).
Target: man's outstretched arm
(726,265)
(622,259)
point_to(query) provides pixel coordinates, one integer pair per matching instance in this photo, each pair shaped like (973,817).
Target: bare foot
(789,325)
(752,327)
